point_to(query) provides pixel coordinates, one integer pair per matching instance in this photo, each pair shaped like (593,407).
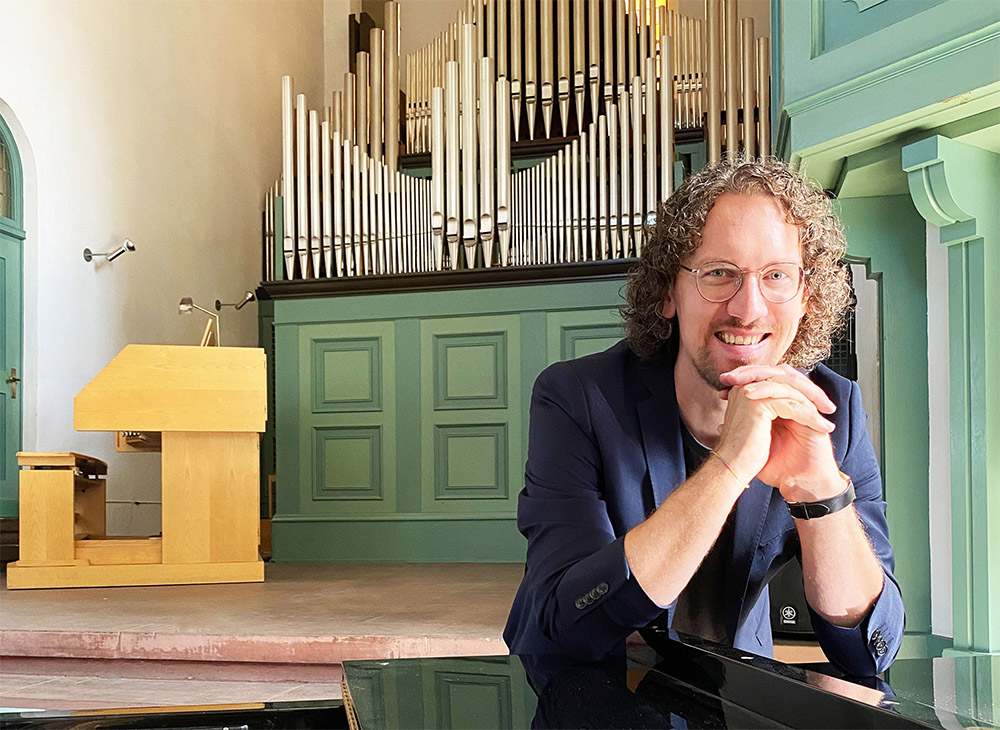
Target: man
(664,473)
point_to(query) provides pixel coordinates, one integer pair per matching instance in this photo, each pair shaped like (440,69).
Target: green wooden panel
(265,340)
(289,496)
(409,453)
(469,538)
(347,443)
(465,700)
(534,359)
(471,462)
(579,333)
(453,303)
(346,375)
(452,368)
(482,431)
(379,696)
(471,371)
(840,22)
(348,463)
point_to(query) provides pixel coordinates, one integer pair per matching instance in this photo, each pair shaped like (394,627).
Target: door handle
(12,381)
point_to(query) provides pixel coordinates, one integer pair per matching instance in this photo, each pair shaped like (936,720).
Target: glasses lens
(780,282)
(718,281)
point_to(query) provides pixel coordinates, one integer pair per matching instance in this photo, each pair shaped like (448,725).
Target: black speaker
(789,614)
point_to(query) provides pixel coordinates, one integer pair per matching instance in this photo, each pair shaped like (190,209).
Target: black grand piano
(666,681)
(672,681)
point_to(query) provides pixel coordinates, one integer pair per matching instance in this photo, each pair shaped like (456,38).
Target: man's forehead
(749,224)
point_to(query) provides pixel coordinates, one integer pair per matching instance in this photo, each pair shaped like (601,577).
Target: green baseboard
(397,540)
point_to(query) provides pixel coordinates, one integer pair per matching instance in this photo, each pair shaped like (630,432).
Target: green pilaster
(887,234)
(956,186)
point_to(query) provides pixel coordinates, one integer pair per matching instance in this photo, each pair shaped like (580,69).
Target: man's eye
(719,273)
(776,275)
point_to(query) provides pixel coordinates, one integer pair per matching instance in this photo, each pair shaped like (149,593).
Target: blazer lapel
(660,430)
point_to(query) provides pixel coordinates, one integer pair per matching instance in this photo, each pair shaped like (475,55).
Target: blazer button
(602,588)
(876,637)
(581,603)
(593,595)
(881,648)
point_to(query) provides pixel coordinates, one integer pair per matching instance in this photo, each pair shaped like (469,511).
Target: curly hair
(677,235)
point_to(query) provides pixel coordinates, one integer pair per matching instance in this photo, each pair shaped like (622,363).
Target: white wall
(159,121)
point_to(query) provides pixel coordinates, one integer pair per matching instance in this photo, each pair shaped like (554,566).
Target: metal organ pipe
(632,72)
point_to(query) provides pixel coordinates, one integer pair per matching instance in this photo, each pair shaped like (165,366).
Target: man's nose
(748,304)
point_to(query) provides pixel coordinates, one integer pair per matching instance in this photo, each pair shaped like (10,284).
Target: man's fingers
(788,403)
(780,374)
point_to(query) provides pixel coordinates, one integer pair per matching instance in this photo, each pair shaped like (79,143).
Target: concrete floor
(283,639)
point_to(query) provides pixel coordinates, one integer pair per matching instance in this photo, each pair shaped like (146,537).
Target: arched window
(6,184)
(11,207)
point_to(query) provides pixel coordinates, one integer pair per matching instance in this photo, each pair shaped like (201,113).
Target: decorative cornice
(894,70)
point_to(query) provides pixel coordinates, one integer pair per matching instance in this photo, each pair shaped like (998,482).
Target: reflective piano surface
(682,683)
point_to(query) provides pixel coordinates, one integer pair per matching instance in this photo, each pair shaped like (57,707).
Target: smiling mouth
(731,339)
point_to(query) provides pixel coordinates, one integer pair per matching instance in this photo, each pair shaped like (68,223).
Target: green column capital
(954,186)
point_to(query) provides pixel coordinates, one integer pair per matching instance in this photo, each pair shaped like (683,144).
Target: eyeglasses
(718,281)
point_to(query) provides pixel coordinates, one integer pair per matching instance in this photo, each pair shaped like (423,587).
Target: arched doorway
(11,318)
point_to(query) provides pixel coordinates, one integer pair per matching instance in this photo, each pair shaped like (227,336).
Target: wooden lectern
(202,407)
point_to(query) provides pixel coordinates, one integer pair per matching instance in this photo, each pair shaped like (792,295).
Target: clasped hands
(775,430)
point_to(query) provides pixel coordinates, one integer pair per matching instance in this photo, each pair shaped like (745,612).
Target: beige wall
(156,120)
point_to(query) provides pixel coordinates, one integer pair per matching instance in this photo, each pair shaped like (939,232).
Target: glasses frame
(803,273)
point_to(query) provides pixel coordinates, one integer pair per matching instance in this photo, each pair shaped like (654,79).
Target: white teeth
(740,339)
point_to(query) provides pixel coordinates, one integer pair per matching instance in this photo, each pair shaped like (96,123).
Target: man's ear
(805,303)
(669,308)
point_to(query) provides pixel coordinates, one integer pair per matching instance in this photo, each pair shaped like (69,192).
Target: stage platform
(283,639)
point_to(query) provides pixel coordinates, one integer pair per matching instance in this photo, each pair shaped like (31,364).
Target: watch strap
(823,507)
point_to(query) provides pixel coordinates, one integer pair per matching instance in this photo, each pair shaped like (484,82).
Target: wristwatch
(824,507)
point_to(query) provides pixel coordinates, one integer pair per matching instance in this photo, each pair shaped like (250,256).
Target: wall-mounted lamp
(127,245)
(211,334)
(247,298)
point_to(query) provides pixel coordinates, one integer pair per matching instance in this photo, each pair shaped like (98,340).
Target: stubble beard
(708,370)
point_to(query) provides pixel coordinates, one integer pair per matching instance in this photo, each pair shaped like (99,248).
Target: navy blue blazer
(604,451)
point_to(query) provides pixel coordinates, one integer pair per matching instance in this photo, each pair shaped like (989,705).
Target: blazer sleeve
(871,646)
(577,584)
